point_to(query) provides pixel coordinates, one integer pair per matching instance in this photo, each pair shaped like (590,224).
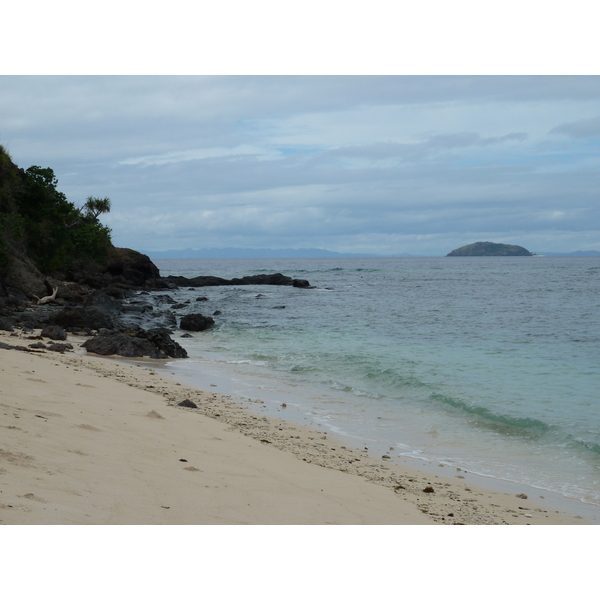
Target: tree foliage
(94,207)
(52,230)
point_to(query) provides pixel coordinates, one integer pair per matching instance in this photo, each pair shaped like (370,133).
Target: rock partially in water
(161,339)
(196,322)
(210,280)
(165,299)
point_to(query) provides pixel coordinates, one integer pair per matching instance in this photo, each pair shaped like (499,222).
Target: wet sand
(89,440)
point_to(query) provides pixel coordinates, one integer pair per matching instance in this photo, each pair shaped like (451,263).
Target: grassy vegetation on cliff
(37,218)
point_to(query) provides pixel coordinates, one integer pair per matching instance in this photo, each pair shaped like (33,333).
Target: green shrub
(51,230)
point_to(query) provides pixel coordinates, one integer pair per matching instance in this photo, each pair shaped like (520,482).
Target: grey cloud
(509,137)
(453,140)
(459,178)
(418,150)
(585,128)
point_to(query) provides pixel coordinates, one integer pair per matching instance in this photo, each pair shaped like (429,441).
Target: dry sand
(87,440)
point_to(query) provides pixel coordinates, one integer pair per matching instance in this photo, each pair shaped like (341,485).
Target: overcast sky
(378,164)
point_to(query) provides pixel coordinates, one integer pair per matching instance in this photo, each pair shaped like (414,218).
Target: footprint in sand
(36,498)
(88,427)
(154,415)
(16,458)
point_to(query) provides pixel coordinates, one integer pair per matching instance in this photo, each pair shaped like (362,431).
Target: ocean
(490,365)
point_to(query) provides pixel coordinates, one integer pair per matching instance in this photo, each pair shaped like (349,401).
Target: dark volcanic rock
(155,343)
(301,283)
(7,324)
(196,322)
(131,267)
(165,299)
(52,346)
(122,344)
(262,279)
(38,345)
(72,318)
(164,318)
(188,404)
(101,306)
(54,332)
(31,320)
(161,339)
(86,272)
(21,272)
(99,311)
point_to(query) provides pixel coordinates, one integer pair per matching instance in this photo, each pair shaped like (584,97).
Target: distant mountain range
(578,253)
(257,253)
(304,253)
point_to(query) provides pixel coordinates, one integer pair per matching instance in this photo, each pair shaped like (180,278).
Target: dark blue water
(490,364)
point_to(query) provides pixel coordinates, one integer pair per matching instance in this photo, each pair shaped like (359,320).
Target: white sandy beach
(87,440)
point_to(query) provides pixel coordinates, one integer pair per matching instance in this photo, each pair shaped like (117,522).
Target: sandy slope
(85,440)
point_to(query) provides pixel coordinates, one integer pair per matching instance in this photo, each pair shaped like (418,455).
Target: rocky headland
(74,280)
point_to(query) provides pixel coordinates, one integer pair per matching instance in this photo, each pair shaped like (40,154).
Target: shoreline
(244,467)
(242,386)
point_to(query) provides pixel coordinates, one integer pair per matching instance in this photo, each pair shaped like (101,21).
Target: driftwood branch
(46,299)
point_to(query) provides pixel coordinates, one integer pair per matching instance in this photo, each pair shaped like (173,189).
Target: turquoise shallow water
(488,364)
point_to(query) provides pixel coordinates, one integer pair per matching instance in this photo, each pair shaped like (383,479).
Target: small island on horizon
(490,249)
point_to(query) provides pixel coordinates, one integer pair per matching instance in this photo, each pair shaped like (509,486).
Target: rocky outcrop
(262,279)
(196,322)
(490,249)
(126,269)
(99,311)
(155,343)
(22,274)
(7,323)
(131,267)
(163,342)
